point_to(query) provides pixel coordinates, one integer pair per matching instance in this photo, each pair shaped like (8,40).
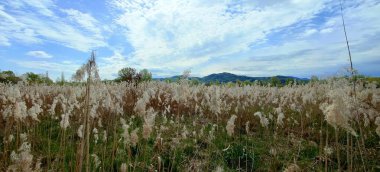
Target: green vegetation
(33,78)
(130,75)
(9,77)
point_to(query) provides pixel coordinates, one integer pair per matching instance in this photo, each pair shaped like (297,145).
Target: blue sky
(255,38)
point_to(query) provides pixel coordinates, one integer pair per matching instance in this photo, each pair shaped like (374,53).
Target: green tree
(145,75)
(289,81)
(33,78)
(62,79)
(246,82)
(239,83)
(127,74)
(168,80)
(275,81)
(230,84)
(314,79)
(9,77)
(195,81)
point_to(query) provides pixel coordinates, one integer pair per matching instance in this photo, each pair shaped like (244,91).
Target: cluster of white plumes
(62,102)
(14,103)
(148,123)
(125,134)
(377,122)
(23,160)
(263,120)
(231,125)
(134,137)
(280,116)
(123,167)
(338,109)
(96,160)
(80,131)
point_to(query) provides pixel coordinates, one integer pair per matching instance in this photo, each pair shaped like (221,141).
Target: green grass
(247,152)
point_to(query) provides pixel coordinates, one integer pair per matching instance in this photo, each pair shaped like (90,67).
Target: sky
(246,37)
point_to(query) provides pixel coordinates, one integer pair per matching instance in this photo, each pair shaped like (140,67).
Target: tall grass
(183,127)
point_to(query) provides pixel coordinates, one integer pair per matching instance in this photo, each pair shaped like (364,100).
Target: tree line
(127,74)
(130,75)
(29,77)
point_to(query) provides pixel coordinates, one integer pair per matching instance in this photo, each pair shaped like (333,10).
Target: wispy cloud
(309,32)
(109,66)
(53,67)
(320,50)
(277,37)
(164,33)
(43,22)
(4,41)
(39,54)
(257,38)
(85,21)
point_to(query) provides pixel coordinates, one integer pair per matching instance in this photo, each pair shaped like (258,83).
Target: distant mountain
(229,77)
(175,78)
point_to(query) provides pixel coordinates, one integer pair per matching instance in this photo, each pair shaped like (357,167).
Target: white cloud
(42,6)
(4,41)
(327,30)
(67,62)
(225,36)
(109,66)
(49,66)
(259,38)
(85,20)
(55,69)
(322,53)
(39,54)
(180,34)
(309,32)
(19,22)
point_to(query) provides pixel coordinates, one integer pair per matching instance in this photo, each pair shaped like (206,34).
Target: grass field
(183,127)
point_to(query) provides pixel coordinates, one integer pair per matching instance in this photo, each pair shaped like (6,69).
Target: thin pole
(348,46)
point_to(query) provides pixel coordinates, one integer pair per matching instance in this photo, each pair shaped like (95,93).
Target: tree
(289,81)
(145,75)
(9,77)
(246,82)
(62,79)
(275,81)
(47,80)
(230,84)
(314,79)
(127,74)
(217,82)
(239,83)
(33,78)
(259,82)
(168,81)
(195,81)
